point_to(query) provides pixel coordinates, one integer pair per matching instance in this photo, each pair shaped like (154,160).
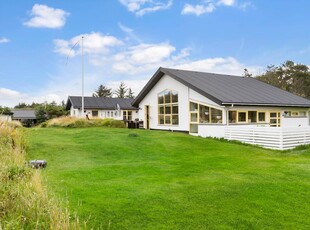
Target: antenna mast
(82,76)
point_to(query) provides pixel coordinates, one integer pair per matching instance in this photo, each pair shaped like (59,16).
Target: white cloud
(210,6)
(46,17)
(245,5)
(8,93)
(4,40)
(125,28)
(226,2)
(129,32)
(141,7)
(198,9)
(142,57)
(228,65)
(94,44)
(183,54)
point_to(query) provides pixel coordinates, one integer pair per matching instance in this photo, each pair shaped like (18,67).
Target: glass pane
(273,121)
(161,110)
(168,120)
(294,114)
(175,109)
(174,96)
(216,115)
(232,116)
(261,116)
(167,109)
(273,114)
(302,113)
(161,119)
(167,96)
(204,114)
(193,106)
(252,116)
(94,113)
(242,116)
(161,98)
(175,119)
(193,128)
(194,117)
(129,113)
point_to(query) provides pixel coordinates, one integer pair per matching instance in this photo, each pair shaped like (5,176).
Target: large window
(252,116)
(242,117)
(275,119)
(168,108)
(261,117)
(246,117)
(202,114)
(94,113)
(127,115)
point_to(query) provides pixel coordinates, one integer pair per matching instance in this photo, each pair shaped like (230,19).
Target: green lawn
(162,180)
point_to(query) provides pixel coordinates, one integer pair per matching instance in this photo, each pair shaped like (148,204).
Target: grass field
(162,180)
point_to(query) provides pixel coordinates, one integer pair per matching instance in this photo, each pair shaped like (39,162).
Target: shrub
(106,122)
(24,200)
(72,122)
(117,124)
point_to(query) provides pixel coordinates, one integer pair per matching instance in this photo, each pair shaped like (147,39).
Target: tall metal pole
(82,76)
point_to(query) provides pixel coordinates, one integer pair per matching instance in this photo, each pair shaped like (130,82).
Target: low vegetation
(72,122)
(24,200)
(140,179)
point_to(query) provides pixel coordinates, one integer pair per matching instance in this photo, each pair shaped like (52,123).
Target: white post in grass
(82,76)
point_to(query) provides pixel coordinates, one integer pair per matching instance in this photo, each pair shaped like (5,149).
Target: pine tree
(103,91)
(130,94)
(121,91)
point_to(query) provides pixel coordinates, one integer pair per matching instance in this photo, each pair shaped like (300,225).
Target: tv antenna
(82,49)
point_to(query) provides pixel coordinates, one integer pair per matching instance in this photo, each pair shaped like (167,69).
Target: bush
(117,124)
(72,122)
(107,122)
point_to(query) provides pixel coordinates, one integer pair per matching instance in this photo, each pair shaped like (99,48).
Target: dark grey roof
(227,89)
(23,114)
(100,103)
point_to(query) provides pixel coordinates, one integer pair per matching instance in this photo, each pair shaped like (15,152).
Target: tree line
(43,111)
(289,76)
(121,92)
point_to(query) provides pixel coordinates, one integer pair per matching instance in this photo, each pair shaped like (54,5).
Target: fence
(269,137)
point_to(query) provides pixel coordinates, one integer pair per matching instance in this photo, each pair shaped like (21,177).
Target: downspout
(227,114)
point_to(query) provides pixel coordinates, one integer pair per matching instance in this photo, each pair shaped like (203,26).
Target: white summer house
(98,107)
(224,106)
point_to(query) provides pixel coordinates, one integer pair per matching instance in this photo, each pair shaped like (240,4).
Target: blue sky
(128,40)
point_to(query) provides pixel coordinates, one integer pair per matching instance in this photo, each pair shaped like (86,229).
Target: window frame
(173,94)
(258,121)
(246,116)
(197,113)
(278,119)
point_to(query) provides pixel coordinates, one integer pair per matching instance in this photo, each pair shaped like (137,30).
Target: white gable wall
(197,97)
(151,99)
(117,115)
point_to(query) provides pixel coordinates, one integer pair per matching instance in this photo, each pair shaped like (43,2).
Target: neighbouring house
(25,116)
(99,107)
(224,106)
(6,116)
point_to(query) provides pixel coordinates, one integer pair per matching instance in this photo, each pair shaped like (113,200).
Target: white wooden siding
(268,137)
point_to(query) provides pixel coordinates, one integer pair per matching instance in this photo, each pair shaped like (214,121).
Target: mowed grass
(163,180)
